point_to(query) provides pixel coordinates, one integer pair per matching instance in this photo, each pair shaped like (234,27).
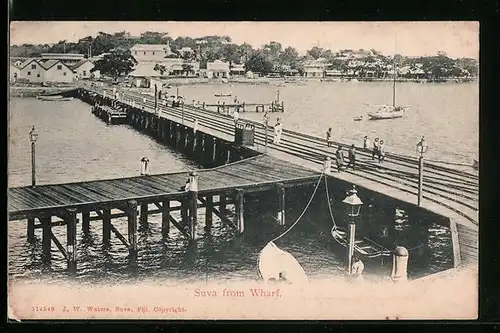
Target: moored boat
(54,98)
(364,246)
(223,95)
(387,112)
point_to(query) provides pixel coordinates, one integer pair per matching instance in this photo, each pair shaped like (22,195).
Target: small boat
(363,246)
(278,265)
(225,80)
(358,118)
(54,98)
(223,95)
(387,112)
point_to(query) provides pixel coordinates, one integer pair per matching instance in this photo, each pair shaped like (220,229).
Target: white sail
(276,264)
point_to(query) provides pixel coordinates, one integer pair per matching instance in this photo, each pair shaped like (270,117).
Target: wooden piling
(193,213)
(144,214)
(239,211)
(281,204)
(46,239)
(222,203)
(165,218)
(106,230)
(31,229)
(184,211)
(132,228)
(208,211)
(86,222)
(71,240)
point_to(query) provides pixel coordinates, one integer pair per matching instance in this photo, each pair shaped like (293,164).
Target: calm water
(446,114)
(74,145)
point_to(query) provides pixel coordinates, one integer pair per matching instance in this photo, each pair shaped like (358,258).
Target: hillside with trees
(272,57)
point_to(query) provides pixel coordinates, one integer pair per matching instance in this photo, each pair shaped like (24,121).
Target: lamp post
(421,150)
(354,202)
(182,110)
(156,98)
(33,137)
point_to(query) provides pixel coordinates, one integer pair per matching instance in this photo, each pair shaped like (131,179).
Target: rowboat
(278,265)
(55,98)
(364,246)
(223,95)
(358,118)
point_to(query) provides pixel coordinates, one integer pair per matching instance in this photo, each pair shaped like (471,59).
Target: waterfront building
(143,73)
(82,69)
(14,73)
(217,69)
(151,52)
(49,71)
(237,69)
(315,68)
(66,58)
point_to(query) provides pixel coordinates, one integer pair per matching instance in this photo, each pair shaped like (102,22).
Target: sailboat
(385,111)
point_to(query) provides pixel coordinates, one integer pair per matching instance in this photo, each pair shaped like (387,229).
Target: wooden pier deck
(253,174)
(447,191)
(455,190)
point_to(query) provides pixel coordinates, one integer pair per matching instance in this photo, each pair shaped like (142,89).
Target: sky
(455,38)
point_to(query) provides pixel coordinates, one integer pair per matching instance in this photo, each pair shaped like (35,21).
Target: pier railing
(454,189)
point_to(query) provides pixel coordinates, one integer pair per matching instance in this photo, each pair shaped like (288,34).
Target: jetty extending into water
(242,159)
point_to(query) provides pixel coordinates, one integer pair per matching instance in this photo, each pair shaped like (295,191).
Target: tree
(259,63)
(315,52)
(115,64)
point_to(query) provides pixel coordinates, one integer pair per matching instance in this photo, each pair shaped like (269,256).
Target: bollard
(144,166)
(400,265)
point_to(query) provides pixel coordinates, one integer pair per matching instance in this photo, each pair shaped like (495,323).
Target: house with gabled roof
(82,69)
(38,71)
(57,71)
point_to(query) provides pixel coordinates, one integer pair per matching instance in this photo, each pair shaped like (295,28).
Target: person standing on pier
(327,166)
(339,155)
(366,143)
(329,137)
(236,116)
(375,148)
(381,151)
(278,129)
(195,126)
(357,268)
(352,157)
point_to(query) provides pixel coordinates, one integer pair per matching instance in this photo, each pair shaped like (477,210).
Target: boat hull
(385,115)
(54,98)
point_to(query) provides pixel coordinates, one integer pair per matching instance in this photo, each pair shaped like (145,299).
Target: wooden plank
(89,196)
(178,226)
(58,244)
(119,235)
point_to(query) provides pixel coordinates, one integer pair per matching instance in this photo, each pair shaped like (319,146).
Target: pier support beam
(165,218)
(222,203)
(46,239)
(209,212)
(144,214)
(71,240)
(86,223)
(132,228)
(106,228)
(239,211)
(31,229)
(281,204)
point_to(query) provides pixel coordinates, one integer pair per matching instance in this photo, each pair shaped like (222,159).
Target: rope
(303,212)
(329,206)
